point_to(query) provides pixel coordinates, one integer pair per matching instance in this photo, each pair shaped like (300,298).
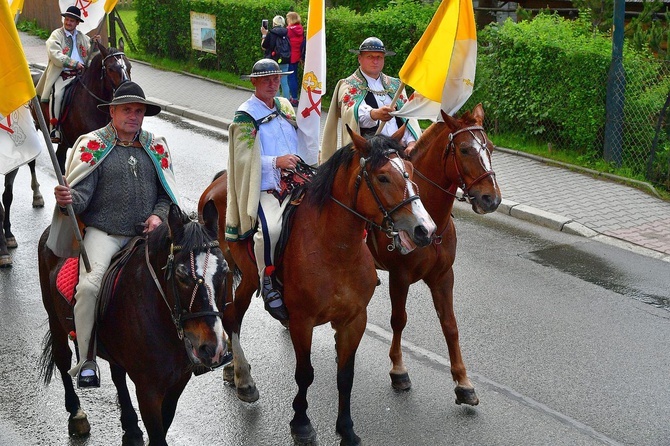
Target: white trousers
(269,227)
(56,98)
(100,247)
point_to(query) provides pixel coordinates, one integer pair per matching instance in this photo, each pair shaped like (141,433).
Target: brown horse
(108,69)
(449,155)
(327,271)
(164,318)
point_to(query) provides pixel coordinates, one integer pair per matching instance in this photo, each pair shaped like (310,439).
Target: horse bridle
(103,73)
(387,225)
(179,314)
(451,146)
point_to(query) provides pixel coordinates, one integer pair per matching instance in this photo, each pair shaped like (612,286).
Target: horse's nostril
(206,351)
(420,233)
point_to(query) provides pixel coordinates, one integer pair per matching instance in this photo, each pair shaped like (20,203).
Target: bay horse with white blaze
(449,155)
(328,273)
(164,319)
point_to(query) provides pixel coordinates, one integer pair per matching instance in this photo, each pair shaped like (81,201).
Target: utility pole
(616,89)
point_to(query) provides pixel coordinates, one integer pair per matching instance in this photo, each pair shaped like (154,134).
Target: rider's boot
(274,304)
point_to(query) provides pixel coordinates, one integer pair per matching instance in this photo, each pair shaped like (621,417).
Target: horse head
(195,276)
(470,150)
(111,66)
(390,190)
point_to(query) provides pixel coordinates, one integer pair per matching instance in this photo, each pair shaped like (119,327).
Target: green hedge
(164,30)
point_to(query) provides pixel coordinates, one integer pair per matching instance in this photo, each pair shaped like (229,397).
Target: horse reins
(179,314)
(387,226)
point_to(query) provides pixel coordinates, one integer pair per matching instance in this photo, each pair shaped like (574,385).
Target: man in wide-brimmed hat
(68,50)
(263,145)
(363,100)
(120,182)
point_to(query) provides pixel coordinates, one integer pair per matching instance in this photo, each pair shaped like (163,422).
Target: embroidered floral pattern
(288,111)
(160,154)
(66,50)
(247,133)
(91,153)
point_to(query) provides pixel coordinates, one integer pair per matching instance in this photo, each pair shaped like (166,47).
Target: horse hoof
(355,442)
(304,435)
(38,201)
(400,381)
(11,243)
(77,425)
(466,395)
(132,438)
(5,261)
(248,394)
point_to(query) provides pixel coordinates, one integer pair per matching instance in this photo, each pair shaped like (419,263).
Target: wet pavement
(536,190)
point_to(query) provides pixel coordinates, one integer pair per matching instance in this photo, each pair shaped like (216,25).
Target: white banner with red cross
(19,140)
(93,12)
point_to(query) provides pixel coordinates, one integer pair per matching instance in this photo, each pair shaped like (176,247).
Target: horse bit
(451,146)
(179,314)
(387,225)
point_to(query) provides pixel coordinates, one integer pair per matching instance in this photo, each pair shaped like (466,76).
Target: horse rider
(263,150)
(68,50)
(119,180)
(363,100)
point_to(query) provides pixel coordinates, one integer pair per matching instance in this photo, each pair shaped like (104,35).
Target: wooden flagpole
(70,212)
(393,102)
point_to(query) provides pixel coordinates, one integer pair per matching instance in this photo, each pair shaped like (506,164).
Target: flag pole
(70,212)
(393,102)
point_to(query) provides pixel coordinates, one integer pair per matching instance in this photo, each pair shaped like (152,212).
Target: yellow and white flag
(441,67)
(313,85)
(19,142)
(15,6)
(93,12)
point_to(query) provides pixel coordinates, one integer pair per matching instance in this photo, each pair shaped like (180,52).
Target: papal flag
(441,67)
(15,6)
(92,11)
(19,142)
(313,84)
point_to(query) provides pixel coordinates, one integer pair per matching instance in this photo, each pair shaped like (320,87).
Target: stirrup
(55,136)
(279,312)
(90,380)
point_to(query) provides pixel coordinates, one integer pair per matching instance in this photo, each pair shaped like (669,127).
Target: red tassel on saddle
(269,270)
(53,121)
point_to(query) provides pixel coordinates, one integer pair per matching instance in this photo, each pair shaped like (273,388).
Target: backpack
(282,51)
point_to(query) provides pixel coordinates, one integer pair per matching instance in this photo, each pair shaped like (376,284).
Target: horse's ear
(478,114)
(102,48)
(400,132)
(210,217)
(175,222)
(121,44)
(451,122)
(360,143)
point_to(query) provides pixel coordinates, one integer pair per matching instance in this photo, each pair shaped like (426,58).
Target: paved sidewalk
(532,190)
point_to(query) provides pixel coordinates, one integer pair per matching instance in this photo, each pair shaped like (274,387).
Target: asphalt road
(565,339)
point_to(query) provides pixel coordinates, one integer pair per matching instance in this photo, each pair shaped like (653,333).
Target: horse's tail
(47,363)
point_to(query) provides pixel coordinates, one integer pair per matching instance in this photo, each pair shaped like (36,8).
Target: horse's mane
(320,188)
(192,236)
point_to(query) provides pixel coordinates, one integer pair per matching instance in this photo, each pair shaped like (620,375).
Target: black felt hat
(74,13)
(131,93)
(373,44)
(265,67)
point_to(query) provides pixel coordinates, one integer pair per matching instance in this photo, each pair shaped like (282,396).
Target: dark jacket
(270,42)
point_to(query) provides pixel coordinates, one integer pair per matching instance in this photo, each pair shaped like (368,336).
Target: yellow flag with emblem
(441,67)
